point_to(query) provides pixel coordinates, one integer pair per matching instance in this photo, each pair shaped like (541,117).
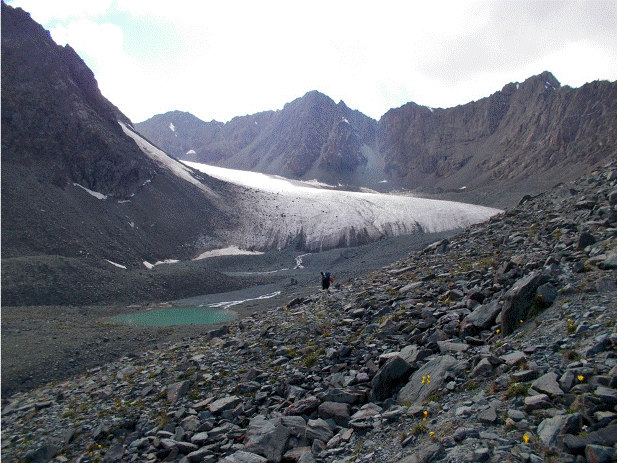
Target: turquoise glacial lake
(208,309)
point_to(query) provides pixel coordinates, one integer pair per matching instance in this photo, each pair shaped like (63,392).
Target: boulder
(483,316)
(548,384)
(519,301)
(339,412)
(177,390)
(226,403)
(319,430)
(388,378)
(267,438)
(416,390)
(551,428)
(243,457)
(303,407)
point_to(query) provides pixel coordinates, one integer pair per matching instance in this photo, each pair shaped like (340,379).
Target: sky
(221,59)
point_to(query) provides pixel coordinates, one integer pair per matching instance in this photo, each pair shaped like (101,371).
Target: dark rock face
(310,137)
(525,132)
(179,134)
(76,191)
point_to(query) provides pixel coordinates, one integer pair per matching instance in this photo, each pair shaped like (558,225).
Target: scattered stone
(368,370)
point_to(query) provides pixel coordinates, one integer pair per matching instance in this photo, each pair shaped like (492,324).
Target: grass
(517,389)
(419,428)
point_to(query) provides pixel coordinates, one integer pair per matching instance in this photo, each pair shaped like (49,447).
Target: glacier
(278,212)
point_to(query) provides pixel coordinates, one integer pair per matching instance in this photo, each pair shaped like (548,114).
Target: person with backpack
(326,279)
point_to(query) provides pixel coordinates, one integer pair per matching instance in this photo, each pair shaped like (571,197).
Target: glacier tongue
(282,212)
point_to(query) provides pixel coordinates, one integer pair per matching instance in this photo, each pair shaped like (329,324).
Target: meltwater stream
(208,309)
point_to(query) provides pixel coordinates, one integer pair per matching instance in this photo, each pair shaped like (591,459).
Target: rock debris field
(495,345)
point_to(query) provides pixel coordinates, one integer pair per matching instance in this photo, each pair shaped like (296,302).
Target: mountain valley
(472,317)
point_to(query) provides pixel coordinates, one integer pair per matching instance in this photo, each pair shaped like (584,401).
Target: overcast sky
(224,58)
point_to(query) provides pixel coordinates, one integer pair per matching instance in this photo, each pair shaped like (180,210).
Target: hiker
(326,279)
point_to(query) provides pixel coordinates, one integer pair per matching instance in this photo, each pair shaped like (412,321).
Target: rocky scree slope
(408,364)
(77,192)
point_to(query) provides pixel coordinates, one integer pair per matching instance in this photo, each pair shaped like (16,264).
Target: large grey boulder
(388,378)
(319,429)
(483,316)
(244,457)
(266,437)
(226,403)
(339,412)
(548,384)
(519,301)
(426,455)
(551,428)
(420,386)
(176,390)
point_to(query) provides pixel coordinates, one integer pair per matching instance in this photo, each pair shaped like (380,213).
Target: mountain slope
(310,138)
(76,187)
(178,133)
(532,134)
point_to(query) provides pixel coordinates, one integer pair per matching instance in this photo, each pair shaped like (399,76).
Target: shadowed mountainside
(77,192)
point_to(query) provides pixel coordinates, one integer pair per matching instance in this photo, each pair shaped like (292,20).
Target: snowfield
(280,212)
(276,212)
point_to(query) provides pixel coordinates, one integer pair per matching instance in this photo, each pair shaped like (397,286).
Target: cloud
(223,59)
(44,11)
(518,35)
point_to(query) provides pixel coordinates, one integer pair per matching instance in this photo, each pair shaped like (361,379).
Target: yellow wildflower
(580,378)
(526,438)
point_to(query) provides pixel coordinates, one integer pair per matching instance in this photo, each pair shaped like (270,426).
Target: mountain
(310,138)
(79,196)
(520,140)
(527,136)
(179,133)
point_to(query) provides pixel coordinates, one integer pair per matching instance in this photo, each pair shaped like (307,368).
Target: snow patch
(116,265)
(190,152)
(229,251)
(96,194)
(317,183)
(227,304)
(172,127)
(160,262)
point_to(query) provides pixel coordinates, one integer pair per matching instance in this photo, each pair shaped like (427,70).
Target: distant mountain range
(522,139)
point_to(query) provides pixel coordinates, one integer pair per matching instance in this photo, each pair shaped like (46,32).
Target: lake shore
(41,344)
